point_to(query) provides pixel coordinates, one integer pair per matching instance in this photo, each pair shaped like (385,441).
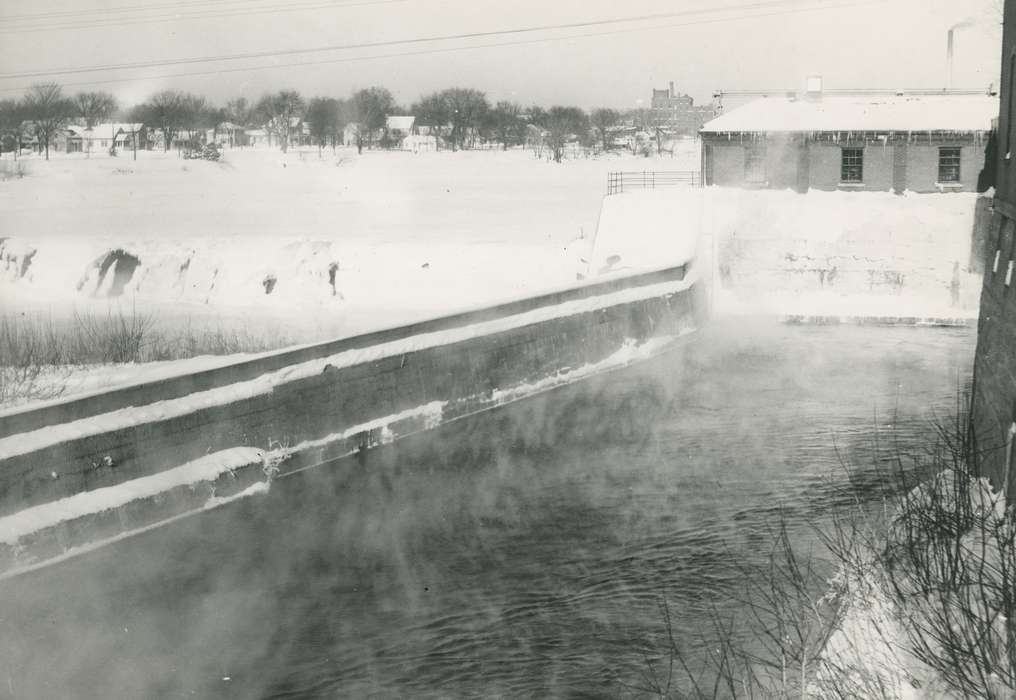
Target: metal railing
(651,179)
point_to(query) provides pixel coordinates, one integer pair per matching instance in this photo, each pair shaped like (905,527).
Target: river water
(522,553)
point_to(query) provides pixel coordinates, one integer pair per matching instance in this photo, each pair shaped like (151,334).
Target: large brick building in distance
(993,409)
(883,142)
(678,114)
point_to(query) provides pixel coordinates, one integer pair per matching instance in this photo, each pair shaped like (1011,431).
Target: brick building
(994,391)
(918,142)
(677,113)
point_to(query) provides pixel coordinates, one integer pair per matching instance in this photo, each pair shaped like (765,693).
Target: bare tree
(94,107)
(432,112)
(563,124)
(282,112)
(467,109)
(48,110)
(602,120)
(215,117)
(240,111)
(371,106)
(323,117)
(506,120)
(11,118)
(164,112)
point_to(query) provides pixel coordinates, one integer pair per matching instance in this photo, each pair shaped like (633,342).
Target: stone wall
(994,400)
(889,164)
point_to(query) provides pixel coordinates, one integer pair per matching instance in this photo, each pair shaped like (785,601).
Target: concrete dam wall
(81,473)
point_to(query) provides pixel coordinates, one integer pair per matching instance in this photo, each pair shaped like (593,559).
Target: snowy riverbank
(353,243)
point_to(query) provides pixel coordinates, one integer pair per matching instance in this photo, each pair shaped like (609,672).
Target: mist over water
(521,553)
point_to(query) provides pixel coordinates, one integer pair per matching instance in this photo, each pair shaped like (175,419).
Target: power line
(451,49)
(398,42)
(193,15)
(118,10)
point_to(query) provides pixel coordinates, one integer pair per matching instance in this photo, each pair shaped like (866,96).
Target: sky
(702,46)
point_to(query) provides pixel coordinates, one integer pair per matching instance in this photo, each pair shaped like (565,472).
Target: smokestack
(949,50)
(671,88)
(949,60)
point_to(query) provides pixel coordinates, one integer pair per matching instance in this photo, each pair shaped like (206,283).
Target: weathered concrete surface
(994,401)
(333,413)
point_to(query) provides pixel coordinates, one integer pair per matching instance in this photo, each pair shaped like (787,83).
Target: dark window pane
(949,164)
(852,165)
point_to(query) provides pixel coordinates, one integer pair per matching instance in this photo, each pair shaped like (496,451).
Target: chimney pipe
(671,88)
(949,60)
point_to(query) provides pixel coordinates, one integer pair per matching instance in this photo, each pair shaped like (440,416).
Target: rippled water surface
(523,553)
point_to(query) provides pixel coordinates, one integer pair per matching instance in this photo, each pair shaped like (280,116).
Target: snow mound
(644,230)
(15,258)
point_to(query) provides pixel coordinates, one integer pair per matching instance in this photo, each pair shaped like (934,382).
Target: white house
(102,138)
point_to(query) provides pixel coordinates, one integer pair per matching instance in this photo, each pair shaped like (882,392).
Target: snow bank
(647,229)
(821,253)
(871,653)
(391,237)
(382,233)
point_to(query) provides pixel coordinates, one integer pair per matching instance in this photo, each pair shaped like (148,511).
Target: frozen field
(305,247)
(362,240)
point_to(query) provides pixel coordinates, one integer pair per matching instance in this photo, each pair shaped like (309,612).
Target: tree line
(457,118)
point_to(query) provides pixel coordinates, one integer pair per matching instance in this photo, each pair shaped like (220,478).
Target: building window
(949,164)
(852,165)
(755,164)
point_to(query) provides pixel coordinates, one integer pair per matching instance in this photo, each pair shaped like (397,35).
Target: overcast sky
(759,44)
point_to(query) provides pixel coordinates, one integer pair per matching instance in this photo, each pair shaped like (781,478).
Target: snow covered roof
(400,123)
(116,127)
(860,113)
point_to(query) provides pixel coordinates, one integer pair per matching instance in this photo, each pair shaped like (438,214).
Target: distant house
(227,134)
(257,137)
(268,136)
(80,139)
(74,139)
(299,133)
(101,138)
(677,113)
(888,142)
(419,143)
(398,128)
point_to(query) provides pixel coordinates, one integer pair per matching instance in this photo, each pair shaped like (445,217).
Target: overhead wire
(401,42)
(196,15)
(120,9)
(451,49)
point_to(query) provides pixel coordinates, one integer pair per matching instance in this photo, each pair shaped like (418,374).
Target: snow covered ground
(311,246)
(364,240)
